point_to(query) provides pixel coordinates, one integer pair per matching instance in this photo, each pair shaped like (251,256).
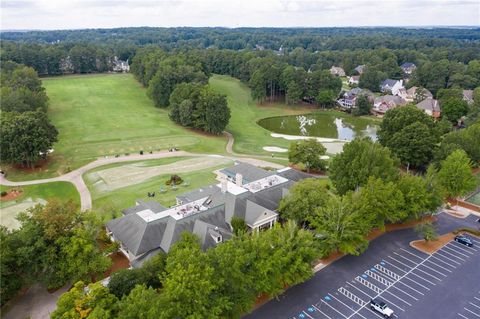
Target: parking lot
(401,279)
(443,285)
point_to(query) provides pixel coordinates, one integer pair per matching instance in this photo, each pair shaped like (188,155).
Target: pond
(322,124)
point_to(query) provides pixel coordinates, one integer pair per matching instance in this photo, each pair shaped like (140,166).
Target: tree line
(222,282)
(55,244)
(27,134)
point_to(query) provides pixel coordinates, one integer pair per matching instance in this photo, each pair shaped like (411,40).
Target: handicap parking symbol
(301,315)
(364,276)
(327,298)
(311,309)
(382,263)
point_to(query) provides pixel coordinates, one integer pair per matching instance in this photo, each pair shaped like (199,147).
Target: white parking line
(390,301)
(412,261)
(462,316)
(449,253)
(417,283)
(321,312)
(476,314)
(335,309)
(440,273)
(416,268)
(443,261)
(430,282)
(449,258)
(412,254)
(474,305)
(455,251)
(461,247)
(363,292)
(401,282)
(308,315)
(379,279)
(346,305)
(426,259)
(436,265)
(477,298)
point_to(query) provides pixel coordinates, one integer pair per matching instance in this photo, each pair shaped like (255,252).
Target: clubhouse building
(244,191)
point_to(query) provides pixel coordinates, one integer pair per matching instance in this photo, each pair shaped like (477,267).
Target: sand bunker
(275,149)
(9,213)
(333,146)
(130,174)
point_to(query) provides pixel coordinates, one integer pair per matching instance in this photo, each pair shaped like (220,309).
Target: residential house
(468,96)
(391,86)
(354,79)
(414,93)
(431,107)
(245,191)
(120,66)
(349,98)
(336,70)
(384,103)
(359,69)
(408,67)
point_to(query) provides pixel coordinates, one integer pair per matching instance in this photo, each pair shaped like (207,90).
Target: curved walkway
(75,176)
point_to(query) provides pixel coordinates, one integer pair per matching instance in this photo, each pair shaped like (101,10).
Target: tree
(359,160)
(326,98)
(94,302)
(397,118)
(341,227)
(212,114)
(465,139)
(307,152)
(239,226)
(141,303)
(371,78)
(11,274)
(379,202)
(189,287)
(427,231)
(413,145)
(124,280)
(363,106)
(416,199)
(26,137)
(305,197)
(455,175)
(58,243)
(453,109)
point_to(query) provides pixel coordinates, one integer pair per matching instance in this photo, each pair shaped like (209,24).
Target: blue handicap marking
(382,263)
(301,315)
(373,269)
(364,276)
(327,298)
(311,309)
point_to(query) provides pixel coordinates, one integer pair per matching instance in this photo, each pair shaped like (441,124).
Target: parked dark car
(464,239)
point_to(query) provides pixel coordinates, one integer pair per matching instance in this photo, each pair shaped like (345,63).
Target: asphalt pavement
(414,284)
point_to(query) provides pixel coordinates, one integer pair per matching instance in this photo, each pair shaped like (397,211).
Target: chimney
(224,183)
(239,179)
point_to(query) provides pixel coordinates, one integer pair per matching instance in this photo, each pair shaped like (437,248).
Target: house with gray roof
(244,191)
(408,67)
(431,107)
(359,69)
(384,103)
(391,86)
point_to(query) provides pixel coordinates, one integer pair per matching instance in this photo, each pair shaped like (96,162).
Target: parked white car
(381,307)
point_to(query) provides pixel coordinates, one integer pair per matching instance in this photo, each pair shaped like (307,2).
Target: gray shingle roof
(249,172)
(407,65)
(155,207)
(388,82)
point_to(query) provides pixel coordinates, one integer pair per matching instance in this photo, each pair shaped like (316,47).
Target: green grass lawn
(250,137)
(33,194)
(109,114)
(111,203)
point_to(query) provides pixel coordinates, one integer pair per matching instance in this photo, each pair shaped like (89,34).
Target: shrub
(3,193)
(472,231)
(174,180)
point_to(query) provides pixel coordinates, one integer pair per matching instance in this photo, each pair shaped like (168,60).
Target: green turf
(108,114)
(250,137)
(47,191)
(111,203)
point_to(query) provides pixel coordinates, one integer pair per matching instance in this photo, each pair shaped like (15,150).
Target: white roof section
(176,212)
(265,183)
(233,188)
